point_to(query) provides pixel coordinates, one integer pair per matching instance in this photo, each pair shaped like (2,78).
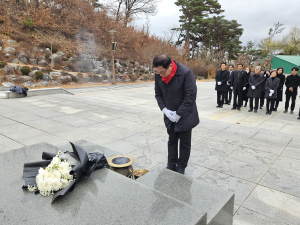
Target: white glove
(231,87)
(219,83)
(253,87)
(265,75)
(228,83)
(177,117)
(270,94)
(272,91)
(244,88)
(169,114)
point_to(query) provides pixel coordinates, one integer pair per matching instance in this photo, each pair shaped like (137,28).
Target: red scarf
(167,79)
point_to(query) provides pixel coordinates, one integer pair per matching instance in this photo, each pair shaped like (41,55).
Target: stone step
(37,92)
(216,202)
(105,197)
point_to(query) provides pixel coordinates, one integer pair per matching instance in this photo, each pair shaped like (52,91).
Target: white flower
(45,186)
(55,161)
(55,183)
(56,174)
(65,182)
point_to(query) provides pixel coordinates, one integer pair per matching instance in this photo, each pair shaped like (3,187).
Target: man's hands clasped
(172,115)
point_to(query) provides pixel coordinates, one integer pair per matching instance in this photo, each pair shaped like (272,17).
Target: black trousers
(276,103)
(272,101)
(237,99)
(184,148)
(287,101)
(220,97)
(262,99)
(256,100)
(228,94)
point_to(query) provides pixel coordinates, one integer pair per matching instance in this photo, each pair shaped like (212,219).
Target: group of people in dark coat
(257,87)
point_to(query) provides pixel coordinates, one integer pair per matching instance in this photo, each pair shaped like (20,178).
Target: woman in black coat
(245,92)
(272,85)
(281,77)
(266,75)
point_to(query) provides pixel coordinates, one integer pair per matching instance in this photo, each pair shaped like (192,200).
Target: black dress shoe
(275,110)
(298,118)
(260,107)
(239,109)
(228,103)
(245,105)
(250,110)
(270,112)
(233,108)
(181,171)
(255,110)
(221,106)
(267,113)
(171,168)
(218,106)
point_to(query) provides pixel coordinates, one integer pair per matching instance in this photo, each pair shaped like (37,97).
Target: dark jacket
(263,85)
(255,80)
(179,95)
(223,78)
(281,77)
(292,81)
(18,89)
(272,84)
(238,82)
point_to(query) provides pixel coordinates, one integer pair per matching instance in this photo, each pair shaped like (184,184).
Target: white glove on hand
(265,75)
(228,83)
(169,114)
(231,87)
(253,87)
(272,91)
(177,117)
(270,94)
(219,83)
(244,88)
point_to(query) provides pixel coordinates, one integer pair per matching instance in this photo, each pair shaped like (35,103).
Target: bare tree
(132,8)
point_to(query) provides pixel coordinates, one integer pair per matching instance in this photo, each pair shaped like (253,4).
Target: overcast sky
(255,16)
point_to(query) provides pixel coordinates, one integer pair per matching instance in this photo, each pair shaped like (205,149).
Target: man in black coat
(176,92)
(292,82)
(238,84)
(229,91)
(254,91)
(221,84)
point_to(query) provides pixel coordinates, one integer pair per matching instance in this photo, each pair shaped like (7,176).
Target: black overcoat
(179,95)
(238,83)
(281,77)
(272,84)
(223,78)
(255,80)
(292,81)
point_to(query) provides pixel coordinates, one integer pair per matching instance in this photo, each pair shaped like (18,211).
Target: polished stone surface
(104,198)
(218,203)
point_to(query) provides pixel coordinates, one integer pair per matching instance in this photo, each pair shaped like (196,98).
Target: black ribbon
(86,164)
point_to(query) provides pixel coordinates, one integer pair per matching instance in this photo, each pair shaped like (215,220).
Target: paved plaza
(253,155)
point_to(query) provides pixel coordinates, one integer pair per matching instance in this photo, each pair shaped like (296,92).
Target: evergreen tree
(193,11)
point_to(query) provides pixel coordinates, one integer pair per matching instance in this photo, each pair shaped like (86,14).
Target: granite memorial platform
(217,203)
(105,197)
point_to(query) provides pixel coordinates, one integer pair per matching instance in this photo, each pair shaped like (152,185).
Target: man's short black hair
(231,65)
(223,63)
(240,64)
(163,60)
(295,68)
